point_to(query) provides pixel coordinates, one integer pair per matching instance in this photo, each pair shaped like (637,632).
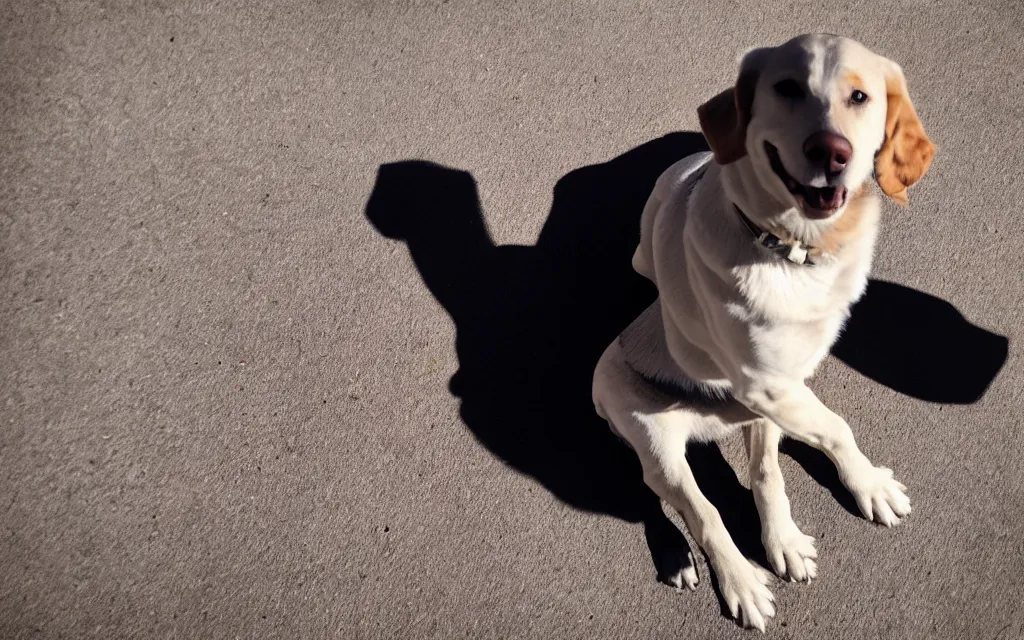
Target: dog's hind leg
(790,552)
(658,428)
(672,556)
(743,584)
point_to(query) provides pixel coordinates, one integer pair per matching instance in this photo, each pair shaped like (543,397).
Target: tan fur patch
(848,226)
(842,231)
(854,80)
(724,119)
(907,152)
(723,127)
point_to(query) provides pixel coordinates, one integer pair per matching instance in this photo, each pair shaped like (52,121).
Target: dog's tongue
(825,198)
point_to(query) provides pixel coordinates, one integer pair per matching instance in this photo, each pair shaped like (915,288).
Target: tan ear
(906,152)
(724,118)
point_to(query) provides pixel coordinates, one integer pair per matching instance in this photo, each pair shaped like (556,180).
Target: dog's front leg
(798,412)
(790,552)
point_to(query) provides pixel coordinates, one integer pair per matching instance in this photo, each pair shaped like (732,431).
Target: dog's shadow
(531,323)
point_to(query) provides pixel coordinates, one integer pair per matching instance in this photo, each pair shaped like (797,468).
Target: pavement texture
(300,305)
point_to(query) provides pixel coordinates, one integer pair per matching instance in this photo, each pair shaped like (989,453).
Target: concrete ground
(264,377)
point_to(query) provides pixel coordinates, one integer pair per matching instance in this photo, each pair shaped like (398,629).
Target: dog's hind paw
(683,575)
(744,587)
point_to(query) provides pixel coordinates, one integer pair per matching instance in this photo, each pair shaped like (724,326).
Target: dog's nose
(828,150)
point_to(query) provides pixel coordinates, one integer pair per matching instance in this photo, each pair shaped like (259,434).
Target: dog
(758,250)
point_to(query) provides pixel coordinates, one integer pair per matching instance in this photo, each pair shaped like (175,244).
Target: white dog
(758,250)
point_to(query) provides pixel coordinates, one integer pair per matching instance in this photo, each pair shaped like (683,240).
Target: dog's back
(674,184)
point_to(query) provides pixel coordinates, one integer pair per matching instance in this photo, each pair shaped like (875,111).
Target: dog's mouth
(816,202)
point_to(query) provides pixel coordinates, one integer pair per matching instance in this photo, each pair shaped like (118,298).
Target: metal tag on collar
(795,253)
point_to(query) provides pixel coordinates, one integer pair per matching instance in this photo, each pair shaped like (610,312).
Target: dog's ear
(724,118)
(906,152)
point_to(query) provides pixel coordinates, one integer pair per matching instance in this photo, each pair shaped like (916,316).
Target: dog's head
(817,115)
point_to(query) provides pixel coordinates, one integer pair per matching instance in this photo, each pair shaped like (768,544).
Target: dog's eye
(858,97)
(789,89)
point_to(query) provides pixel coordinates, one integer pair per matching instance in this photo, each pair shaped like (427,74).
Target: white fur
(735,320)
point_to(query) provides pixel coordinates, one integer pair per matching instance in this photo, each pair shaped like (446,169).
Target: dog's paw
(670,552)
(682,574)
(790,552)
(879,496)
(744,587)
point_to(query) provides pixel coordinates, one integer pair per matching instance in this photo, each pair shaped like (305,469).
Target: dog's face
(817,115)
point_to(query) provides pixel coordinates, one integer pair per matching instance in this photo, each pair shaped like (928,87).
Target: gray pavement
(265,377)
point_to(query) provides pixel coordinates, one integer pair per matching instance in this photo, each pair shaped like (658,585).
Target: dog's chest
(793,314)
(780,293)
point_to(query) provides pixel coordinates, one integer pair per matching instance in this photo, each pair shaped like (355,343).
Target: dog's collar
(792,250)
